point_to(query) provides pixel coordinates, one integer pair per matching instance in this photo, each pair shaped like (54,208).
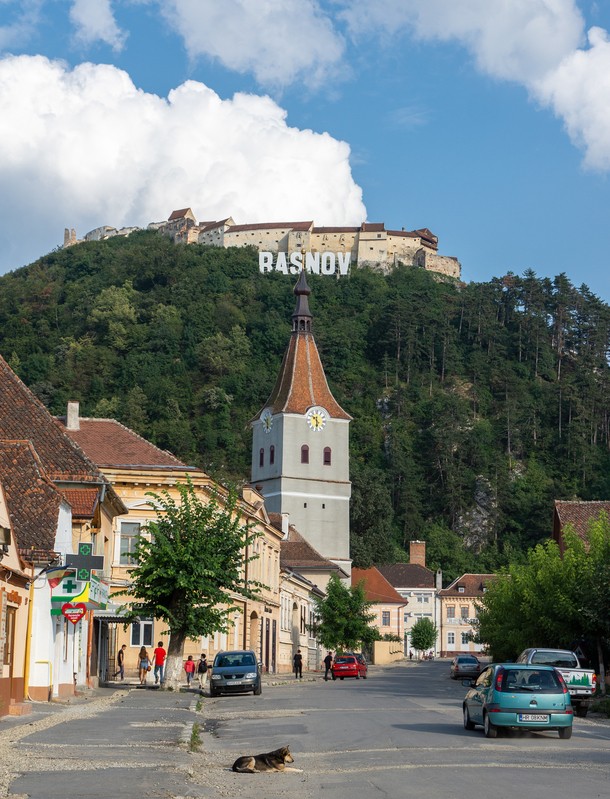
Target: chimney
(72,420)
(285,524)
(439,579)
(417,553)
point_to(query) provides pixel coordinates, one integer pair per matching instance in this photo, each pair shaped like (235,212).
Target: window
(451,611)
(142,633)
(385,618)
(130,532)
(464,611)
(327,456)
(304,454)
(271,455)
(465,639)
(450,639)
(261,457)
(460,589)
(422,598)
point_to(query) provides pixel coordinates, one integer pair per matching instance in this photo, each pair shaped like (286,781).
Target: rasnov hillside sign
(317,263)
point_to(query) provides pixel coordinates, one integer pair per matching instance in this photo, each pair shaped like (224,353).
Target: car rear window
(345,660)
(467,660)
(564,660)
(530,681)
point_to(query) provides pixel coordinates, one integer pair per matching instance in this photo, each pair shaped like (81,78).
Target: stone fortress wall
(368,244)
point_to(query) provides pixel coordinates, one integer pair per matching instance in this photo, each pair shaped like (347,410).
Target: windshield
(564,660)
(239,659)
(530,680)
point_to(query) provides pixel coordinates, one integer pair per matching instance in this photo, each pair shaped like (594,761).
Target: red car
(349,666)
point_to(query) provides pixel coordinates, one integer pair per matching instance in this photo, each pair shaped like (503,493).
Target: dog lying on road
(270,761)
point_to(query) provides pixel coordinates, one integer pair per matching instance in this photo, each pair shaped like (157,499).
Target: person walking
(328,665)
(189,668)
(120,662)
(143,665)
(202,670)
(297,665)
(159,656)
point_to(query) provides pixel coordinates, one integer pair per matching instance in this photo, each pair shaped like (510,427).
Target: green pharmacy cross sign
(85,562)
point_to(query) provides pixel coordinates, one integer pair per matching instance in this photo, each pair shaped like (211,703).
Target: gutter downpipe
(28,638)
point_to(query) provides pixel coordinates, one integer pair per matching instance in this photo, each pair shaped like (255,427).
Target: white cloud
(94,21)
(24,17)
(512,39)
(85,147)
(278,41)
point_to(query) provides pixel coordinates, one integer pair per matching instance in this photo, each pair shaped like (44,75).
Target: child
(189,668)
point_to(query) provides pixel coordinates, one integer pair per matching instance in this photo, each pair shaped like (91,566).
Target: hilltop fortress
(289,246)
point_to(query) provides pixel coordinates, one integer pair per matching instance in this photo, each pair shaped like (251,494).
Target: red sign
(74,613)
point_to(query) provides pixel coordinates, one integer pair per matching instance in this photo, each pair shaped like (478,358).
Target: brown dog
(270,761)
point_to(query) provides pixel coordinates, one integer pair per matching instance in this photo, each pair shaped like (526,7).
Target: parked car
(581,682)
(516,695)
(235,672)
(349,666)
(465,666)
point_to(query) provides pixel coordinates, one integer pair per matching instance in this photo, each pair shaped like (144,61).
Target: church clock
(316,418)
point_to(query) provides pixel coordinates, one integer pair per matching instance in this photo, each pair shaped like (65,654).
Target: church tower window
(261,457)
(327,456)
(271,455)
(304,454)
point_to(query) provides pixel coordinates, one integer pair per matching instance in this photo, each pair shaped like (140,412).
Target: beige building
(387,604)
(134,467)
(458,612)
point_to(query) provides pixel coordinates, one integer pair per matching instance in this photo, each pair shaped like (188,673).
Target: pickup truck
(581,682)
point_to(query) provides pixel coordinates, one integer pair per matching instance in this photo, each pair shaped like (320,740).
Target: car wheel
(258,690)
(565,733)
(581,711)
(468,724)
(340,678)
(491,731)
(364,676)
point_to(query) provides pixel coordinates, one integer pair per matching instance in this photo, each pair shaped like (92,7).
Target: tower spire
(301,318)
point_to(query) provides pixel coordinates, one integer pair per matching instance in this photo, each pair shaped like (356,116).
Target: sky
(486,121)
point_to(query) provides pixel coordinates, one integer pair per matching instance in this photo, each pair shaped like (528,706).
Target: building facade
(458,613)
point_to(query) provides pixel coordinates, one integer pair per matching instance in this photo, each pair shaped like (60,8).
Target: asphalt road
(397,734)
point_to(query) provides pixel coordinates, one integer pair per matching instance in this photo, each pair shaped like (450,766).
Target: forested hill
(474,406)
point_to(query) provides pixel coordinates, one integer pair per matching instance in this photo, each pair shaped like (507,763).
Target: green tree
(423,635)
(190,568)
(343,617)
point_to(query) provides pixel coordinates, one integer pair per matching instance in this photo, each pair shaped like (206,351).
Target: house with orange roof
(458,613)
(388,606)
(578,515)
(134,467)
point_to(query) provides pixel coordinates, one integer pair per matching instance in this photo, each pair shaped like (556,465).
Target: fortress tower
(300,444)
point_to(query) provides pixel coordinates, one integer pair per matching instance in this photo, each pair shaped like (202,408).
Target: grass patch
(199,705)
(195,742)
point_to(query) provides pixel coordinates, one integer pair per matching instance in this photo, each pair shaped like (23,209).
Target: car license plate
(236,682)
(540,717)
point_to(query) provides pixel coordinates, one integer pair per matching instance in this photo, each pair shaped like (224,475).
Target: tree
(190,568)
(343,617)
(423,635)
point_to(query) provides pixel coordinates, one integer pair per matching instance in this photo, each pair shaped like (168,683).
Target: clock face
(267,420)
(317,418)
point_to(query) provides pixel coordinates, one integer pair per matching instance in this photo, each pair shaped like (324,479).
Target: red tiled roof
(23,417)
(335,230)
(109,443)
(32,499)
(473,585)
(580,514)
(296,553)
(272,226)
(376,587)
(372,227)
(179,214)
(83,501)
(408,575)
(409,234)
(301,382)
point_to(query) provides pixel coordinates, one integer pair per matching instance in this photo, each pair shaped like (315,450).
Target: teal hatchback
(513,695)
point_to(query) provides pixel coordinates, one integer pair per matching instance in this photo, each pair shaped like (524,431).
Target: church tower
(300,444)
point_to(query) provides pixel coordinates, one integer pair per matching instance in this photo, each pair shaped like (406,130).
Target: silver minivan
(235,672)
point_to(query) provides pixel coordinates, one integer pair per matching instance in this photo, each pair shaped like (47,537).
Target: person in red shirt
(189,668)
(159,656)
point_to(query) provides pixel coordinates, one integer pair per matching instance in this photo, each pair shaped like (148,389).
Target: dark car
(516,695)
(465,666)
(349,666)
(235,672)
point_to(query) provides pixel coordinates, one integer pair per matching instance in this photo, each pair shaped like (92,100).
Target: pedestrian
(159,656)
(202,670)
(328,665)
(120,662)
(143,665)
(189,668)
(410,654)
(297,665)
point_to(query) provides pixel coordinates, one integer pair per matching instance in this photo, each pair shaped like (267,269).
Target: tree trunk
(602,668)
(174,665)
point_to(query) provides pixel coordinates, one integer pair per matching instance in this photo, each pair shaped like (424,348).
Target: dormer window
(460,589)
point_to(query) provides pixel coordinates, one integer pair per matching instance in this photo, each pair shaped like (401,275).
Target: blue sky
(487,121)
